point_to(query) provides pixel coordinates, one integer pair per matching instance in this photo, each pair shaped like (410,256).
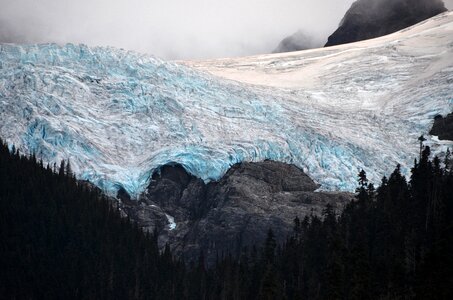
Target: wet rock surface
(231,214)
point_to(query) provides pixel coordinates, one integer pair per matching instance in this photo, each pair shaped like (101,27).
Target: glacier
(118,116)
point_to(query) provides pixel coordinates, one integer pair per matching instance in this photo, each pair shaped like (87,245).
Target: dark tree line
(63,239)
(393,242)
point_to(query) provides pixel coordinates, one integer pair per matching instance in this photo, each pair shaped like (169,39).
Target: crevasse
(118,116)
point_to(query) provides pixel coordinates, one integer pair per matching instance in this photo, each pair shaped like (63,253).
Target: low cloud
(171,29)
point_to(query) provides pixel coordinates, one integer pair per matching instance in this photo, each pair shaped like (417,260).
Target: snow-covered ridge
(118,116)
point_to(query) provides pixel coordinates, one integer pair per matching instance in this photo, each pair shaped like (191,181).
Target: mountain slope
(295,42)
(119,116)
(395,84)
(229,215)
(368,19)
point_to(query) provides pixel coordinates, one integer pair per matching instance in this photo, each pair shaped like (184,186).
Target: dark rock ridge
(296,42)
(231,214)
(443,127)
(368,19)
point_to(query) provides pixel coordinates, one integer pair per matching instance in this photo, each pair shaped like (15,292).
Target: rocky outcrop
(368,19)
(296,42)
(231,214)
(443,127)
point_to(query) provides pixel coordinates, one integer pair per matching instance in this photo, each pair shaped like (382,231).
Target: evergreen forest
(63,239)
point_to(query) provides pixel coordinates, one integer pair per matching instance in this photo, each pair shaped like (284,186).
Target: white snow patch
(171,221)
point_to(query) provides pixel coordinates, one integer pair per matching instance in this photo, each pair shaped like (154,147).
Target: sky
(171,29)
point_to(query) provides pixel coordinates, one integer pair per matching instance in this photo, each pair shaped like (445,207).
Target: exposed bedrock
(235,212)
(443,127)
(368,19)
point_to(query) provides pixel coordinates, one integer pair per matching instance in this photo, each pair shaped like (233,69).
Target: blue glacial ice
(118,116)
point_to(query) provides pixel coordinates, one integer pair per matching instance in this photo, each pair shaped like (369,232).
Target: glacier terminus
(118,116)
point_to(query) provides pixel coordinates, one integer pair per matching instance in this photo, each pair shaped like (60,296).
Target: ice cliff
(118,116)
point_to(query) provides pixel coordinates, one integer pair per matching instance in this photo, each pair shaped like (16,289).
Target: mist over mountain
(296,42)
(178,29)
(368,19)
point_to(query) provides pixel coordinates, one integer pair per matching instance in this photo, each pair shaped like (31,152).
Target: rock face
(296,42)
(368,19)
(226,216)
(443,127)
